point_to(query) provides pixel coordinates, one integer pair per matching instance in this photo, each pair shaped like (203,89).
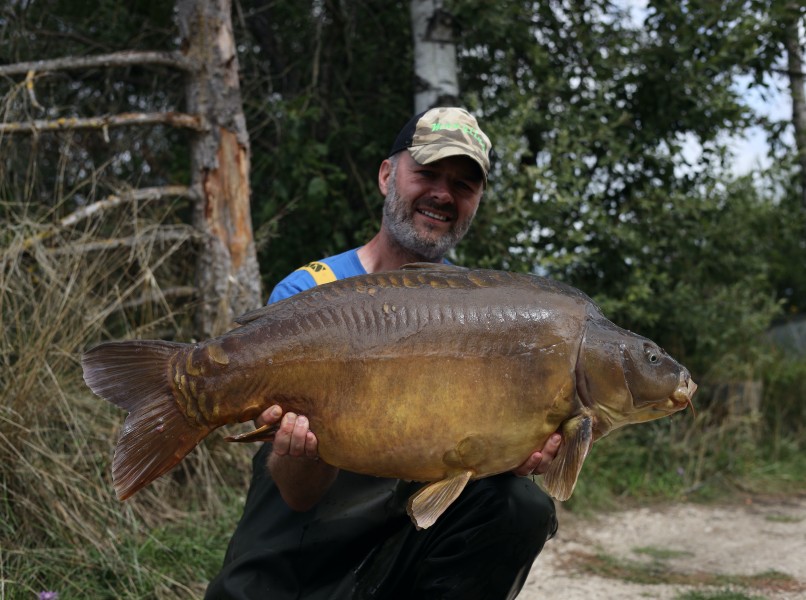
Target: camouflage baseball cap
(442,132)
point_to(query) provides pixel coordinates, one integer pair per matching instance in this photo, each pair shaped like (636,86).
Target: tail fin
(156,435)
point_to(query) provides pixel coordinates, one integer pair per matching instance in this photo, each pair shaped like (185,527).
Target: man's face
(429,208)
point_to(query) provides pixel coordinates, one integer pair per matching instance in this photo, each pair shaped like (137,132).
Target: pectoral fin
(265,433)
(563,472)
(426,505)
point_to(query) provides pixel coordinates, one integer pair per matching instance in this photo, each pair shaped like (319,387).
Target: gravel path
(758,543)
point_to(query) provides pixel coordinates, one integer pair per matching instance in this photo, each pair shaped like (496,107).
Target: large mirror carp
(430,373)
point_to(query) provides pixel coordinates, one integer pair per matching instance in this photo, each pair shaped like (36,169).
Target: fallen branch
(174,119)
(152,193)
(115,59)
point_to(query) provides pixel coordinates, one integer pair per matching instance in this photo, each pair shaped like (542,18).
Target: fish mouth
(684,393)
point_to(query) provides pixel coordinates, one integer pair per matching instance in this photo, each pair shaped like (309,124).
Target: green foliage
(786,248)
(783,408)
(65,171)
(322,118)
(589,116)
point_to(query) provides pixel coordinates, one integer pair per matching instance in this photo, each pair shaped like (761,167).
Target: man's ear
(384,172)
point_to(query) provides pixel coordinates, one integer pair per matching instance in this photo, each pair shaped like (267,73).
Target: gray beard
(399,221)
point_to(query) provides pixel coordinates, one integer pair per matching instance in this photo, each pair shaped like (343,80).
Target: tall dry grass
(61,291)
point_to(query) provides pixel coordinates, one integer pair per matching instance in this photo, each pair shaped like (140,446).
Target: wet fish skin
(429,373)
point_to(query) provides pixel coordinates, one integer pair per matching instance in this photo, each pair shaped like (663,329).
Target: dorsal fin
(252,315)
(432,266)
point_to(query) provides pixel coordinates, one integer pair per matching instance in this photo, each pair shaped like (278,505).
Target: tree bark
(227,274)
(437,82)
(797,81)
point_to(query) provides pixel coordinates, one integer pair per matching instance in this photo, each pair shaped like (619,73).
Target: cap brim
(423,157)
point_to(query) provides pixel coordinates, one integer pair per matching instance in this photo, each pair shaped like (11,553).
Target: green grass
(169,562)
(656,572)
(782,519)
(660,553)
(170,554)
(726,594)
(680,459)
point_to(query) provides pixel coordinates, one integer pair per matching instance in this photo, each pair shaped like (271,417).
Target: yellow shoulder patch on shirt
(320,272)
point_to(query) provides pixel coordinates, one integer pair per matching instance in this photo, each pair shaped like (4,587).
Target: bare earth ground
(756,546)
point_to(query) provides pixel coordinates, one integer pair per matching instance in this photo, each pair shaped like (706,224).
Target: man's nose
(441,189)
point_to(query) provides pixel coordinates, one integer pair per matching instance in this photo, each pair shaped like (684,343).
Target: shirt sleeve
(296,282)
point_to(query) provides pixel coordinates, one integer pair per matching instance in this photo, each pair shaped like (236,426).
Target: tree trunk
(437,82)
(796,85)
(227,274)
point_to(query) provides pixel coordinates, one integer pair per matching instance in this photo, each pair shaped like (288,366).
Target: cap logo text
(474,133)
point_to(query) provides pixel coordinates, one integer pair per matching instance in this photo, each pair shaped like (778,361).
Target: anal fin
(264,433)
(426,505)
(562,475)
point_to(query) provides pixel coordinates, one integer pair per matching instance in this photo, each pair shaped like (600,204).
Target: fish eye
(652,355)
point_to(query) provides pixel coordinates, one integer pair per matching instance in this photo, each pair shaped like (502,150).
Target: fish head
(626,378)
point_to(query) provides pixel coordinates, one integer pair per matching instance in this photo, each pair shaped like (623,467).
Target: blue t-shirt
(343,265)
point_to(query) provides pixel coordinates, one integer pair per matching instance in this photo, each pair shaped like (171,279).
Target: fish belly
(421,419)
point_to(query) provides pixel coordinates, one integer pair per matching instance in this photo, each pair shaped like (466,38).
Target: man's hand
(294,438)
(538,463)
(301,482)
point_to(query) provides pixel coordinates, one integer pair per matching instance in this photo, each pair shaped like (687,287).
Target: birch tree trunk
(436,79)
(227,275)
(797,83)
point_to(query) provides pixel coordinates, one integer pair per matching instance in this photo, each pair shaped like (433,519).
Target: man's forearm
(302,481)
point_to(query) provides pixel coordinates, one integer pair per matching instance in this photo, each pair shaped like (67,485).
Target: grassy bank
(61,528)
